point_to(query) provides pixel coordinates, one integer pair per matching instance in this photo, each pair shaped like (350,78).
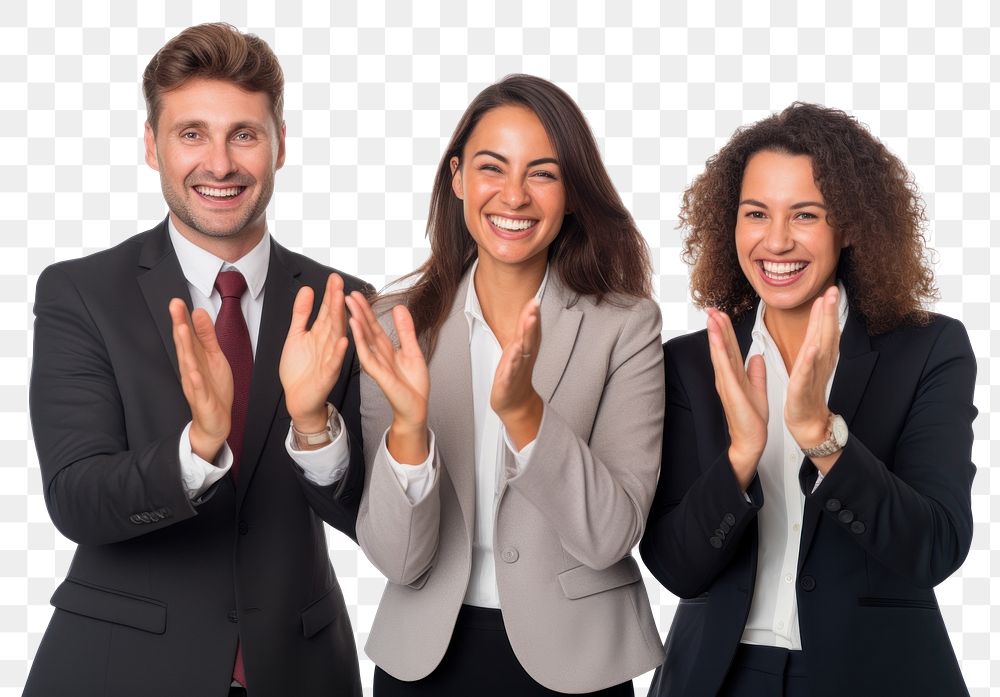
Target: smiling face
(511,187)
(216,148)
(786,247)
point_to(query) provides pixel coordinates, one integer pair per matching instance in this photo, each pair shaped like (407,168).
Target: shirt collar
(200,267)
(760,333)
(474,311)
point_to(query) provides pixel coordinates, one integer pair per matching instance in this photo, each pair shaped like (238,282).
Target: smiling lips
(220,194)
(512,228)
(781,273)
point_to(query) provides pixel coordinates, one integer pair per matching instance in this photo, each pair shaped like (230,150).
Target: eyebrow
(183,125)
(533,163)
(794,206)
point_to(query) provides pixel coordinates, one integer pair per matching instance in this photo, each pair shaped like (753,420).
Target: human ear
(456,179)
(150,141)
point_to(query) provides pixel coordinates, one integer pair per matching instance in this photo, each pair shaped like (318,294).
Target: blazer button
(857,527)
(509,555)
(163,512)
(721,534)
(715,542)
(135,518)
(729,519)
(807,583)
(145,517)
(845,516)
(232,616)
(244,527)
(833,505)
(725,527)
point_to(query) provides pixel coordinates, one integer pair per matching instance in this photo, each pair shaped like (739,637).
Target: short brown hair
(216,51)
(870,198)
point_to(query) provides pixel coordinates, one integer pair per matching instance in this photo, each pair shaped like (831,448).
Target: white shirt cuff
(819,480)
(198,475)
(415,480)
(521,456)
(323,466)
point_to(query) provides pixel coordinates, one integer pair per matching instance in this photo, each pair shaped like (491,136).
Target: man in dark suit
(184,469)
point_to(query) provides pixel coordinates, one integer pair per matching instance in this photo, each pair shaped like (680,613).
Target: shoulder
(99,268)
(939,334)
(622,312)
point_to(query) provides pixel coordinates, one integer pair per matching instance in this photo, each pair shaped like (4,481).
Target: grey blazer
(573,601)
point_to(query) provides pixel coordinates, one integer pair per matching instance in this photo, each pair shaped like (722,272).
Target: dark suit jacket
(891,520)
(160,589)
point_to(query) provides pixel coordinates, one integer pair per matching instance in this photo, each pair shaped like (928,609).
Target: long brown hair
(215,51)
(870,198)
(599,251)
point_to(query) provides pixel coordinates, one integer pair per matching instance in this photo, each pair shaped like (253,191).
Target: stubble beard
(253,211)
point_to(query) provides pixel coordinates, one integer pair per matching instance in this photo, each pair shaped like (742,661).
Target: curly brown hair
(870,197)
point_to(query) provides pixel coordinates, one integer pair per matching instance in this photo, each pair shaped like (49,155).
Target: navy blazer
(890,521)
(161,587)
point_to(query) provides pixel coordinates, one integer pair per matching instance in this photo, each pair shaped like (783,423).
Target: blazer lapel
(160,280)
(854,369)
(560,325)
(265,387)
(450,404)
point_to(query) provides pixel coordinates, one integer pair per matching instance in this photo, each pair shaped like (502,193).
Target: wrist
(522,423)
(811,433)
(312,421)
(408,443)
(744,464)
(204,445)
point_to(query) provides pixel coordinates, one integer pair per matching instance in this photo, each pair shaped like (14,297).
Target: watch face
(839,430)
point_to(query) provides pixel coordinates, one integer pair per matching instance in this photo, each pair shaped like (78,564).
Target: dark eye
(545,174)
(805,215)
(189,135)
(755,215)
(243,136)
(489,168)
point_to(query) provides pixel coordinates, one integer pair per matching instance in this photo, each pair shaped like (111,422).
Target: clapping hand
(806,411)
(401,374)
(312,358)
(513,397)
(743,392)
(206,379)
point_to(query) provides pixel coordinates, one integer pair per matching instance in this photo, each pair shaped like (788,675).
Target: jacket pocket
(111,606)
(581,581)
(321,612)
(898,602)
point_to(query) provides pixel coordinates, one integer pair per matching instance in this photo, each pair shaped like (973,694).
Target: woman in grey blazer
(502,504)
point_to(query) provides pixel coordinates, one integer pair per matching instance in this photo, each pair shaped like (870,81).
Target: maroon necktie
(234,339)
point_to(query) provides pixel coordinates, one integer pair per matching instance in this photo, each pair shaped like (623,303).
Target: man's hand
(206,379)
(312,358)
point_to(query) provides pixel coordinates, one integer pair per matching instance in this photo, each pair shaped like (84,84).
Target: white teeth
(511,224)
(217,193)
(782,270)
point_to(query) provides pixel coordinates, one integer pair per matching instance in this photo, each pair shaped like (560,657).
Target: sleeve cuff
(323,466)
(198,475)
(415,480)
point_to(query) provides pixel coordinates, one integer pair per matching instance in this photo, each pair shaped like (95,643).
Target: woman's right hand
(743,392)
(401,374)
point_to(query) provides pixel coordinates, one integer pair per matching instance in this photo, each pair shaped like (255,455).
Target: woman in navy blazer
(851,421)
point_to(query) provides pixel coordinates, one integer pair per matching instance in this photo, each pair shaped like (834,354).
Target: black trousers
(479,661)
(765,671)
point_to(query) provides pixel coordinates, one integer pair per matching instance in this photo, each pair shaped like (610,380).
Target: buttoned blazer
(890,521)
(573,601)
(159,587)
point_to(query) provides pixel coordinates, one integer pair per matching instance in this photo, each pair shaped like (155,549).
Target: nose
(778,237)
(219,162)
(514,193)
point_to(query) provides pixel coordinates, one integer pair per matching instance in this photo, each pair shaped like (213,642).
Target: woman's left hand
(513,397)
(806,412)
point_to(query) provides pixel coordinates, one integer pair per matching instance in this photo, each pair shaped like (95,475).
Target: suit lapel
(854,369)
(450,404)
(560,326)
(265,386)
(160,280)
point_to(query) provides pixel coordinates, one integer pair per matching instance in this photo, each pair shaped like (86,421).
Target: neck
(788,330)
(504,289)
(229,249)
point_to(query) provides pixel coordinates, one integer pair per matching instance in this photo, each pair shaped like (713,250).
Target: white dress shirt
(774,617)
(200,268)
(493,450)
